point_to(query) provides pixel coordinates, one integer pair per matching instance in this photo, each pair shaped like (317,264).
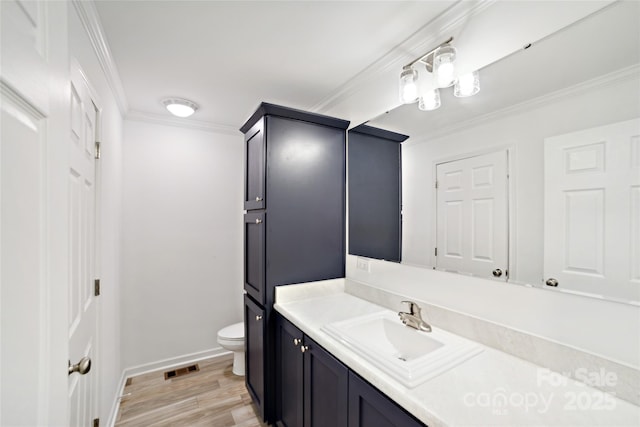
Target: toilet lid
(233,332)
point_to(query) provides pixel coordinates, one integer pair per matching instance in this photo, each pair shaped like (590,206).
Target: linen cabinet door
(255,332)
(254,184)
(289,374)
(326,382)
(368,407)
(254,255)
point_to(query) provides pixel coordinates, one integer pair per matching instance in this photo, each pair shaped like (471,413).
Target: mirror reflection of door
(472,215)
(592,211)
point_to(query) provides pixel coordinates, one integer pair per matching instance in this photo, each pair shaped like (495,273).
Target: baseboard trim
(171,362)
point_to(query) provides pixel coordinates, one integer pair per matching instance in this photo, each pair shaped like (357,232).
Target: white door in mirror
(472,215)
(592,211)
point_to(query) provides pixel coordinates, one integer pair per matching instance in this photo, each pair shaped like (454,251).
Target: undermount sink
(408,355)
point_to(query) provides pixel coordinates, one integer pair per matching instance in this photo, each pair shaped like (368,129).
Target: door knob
(497,272)
(552,282)
(82,367)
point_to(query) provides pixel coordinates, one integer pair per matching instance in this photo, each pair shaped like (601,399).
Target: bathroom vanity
(487,387)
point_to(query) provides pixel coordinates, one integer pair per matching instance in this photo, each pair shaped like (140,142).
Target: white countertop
(492,388)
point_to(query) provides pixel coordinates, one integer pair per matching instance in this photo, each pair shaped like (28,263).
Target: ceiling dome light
(408,85)
(443,69)
(467,85)
(180,107)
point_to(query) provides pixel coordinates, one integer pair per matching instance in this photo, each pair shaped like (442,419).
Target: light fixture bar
(423,58)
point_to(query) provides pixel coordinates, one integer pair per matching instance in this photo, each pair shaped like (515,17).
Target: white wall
(108,362)
(524,133)
(182,246)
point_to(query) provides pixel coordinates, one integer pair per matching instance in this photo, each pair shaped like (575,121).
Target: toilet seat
(233,332)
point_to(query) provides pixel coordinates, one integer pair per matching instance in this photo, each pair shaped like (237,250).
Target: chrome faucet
(414,317)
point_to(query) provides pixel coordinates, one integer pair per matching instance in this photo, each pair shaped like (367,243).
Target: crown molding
(90,20)
(141,116)
(429,35)
(610,79)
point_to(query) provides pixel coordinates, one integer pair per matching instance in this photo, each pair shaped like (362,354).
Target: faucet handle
(413,307)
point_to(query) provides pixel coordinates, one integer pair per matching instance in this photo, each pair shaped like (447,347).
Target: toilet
(232,339)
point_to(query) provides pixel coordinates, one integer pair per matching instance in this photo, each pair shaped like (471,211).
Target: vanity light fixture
(440,61)
(180,107)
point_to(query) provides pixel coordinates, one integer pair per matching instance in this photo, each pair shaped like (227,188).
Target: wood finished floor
(213,396)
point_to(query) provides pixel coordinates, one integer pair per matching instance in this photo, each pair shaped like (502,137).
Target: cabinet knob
(258,199)
(297,341)
(258,221)
(304,348)
(552,282)
(258,318)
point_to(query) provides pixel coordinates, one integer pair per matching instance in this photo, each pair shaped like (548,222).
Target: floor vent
(181,371)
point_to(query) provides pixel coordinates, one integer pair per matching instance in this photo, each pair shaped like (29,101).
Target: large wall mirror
(538,175)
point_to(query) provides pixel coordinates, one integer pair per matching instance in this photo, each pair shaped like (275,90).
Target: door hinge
(96,287)
(436,251)
(97,150)
(436,184)
(96,422)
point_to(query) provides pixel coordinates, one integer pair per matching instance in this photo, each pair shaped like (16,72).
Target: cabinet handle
(258,221)
(304,348)
(258,199)
(258,318)
(296,342)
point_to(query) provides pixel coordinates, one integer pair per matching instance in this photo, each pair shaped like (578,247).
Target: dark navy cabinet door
(368,407)
(255,331)
(289,374)
(326,382)
(254,184)
(254,255)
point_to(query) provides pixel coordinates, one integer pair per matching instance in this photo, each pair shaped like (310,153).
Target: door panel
(255,331)
(325,388)
(82,302)
(592,219)
(29,200)
(472,215)
(255,168)
(289,368)
(368,407)
(254,263)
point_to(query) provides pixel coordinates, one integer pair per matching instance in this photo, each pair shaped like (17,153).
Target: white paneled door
(33,220)
(472,216)
(592,211)
(82,302)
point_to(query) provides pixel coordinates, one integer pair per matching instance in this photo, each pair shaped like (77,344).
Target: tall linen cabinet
(294,223)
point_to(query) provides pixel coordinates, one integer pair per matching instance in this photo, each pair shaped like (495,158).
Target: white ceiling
(228,56)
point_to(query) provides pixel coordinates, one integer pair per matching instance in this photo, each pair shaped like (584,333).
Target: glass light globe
(429,100)
(408,86)
(443,68)
(467,85)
